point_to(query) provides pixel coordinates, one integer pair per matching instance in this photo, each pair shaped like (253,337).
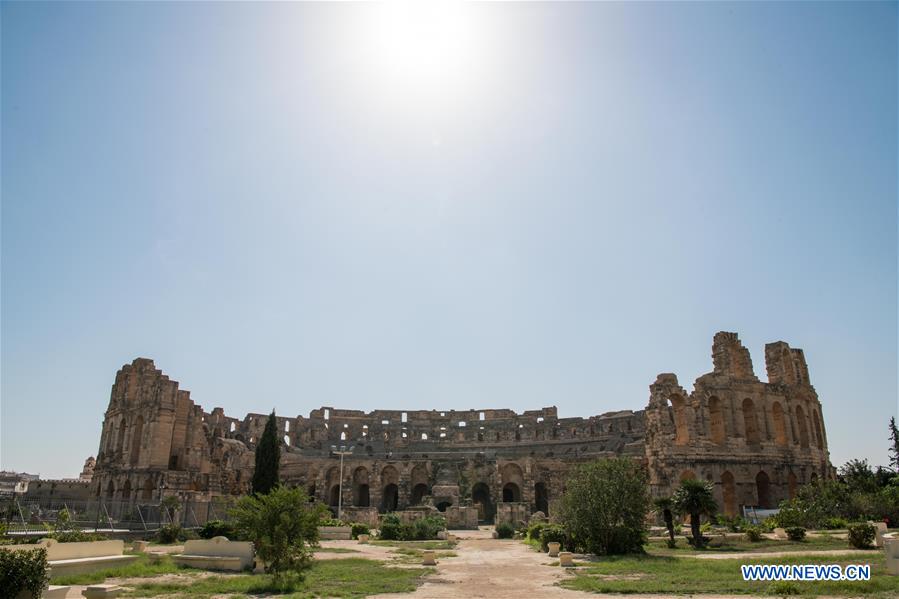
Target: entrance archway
(511,493)
(419,492)
(480,497)
(390,498)
(541,498)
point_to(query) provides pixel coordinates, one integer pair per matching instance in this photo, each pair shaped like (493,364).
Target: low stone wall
(365,515)
(217,553)
(462,517)
(413,514)
(78,558)
(513,513)
(335,533)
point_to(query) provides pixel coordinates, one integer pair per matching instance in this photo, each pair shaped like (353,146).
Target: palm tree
(694,498)
(663,504)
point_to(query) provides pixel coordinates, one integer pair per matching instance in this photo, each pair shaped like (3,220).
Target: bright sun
(420,50)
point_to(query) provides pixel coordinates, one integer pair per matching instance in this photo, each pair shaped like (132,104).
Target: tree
(605,505)
(858,476)
(283,526)
(894,444)
(695,498)
(268,458)
(663,504)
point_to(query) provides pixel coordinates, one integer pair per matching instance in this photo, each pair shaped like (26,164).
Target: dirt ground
(487,567)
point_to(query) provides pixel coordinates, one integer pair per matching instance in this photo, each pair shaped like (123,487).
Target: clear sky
(289,206)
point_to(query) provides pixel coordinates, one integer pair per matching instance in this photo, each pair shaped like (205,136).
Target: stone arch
(716,421)
(110,490)
(763,489)
(480,498)
(390,490)
(750,421)
(541,498)
(816,425)
(511,492)
(729,492)
(120,438)
(803,427)
(126,490)
(419,492)
(791,485)
(512,480)
(361,487)
(137,432)
(679,419)
(780,429)
(332,484)
(147,492)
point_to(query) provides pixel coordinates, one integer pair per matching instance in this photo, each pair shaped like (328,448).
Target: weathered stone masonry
(755,441)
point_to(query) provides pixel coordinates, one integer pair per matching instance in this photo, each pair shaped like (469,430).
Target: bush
(390,527)
(605,505)
(795,533)
(169,533)
(218,528)
(359,529)
(861,536)
(535,529)
(331,522)
(23,571)
(753,533)
(672,543)
(769,524)
(835,523)
(733,524)
(505,530)
(553,533)
(423,529)
(283,527)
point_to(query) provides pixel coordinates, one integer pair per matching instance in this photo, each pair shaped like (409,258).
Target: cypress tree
(268,458)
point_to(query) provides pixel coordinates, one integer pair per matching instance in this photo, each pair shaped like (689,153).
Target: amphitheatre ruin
(755,441)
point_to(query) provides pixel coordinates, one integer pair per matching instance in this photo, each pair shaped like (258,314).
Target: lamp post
(340,453)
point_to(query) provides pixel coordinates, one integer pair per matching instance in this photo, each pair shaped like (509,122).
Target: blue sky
(293,205)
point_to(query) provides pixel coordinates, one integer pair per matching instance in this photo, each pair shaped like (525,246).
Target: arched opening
(480,498)
(360,487)
(814,478)
(136,436)
(750,421)
(541,498)
(310,491)
(780,429)
(126,491)
(441,507)
(716,421)
(287,440)
(110,490)
(120,439)
(803,427)
(511,492)
(679,419)
(147,493)
(419,492)
(334,495)
(390,498)
(816,424)
(730,494)
(791,485)
(763,490)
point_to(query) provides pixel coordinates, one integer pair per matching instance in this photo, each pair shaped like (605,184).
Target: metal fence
(105,515)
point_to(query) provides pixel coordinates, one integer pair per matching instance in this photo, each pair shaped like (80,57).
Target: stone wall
(756,441)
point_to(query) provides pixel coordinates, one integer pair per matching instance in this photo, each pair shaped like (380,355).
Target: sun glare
(420,50)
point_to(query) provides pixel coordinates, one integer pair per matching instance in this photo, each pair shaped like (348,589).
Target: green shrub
(672,543)
(168,534)
(861,535)
(283,526)
(218,528)
(695,498)
(753,533)
(332,522)
(769,524)
(605,506)
(835,523)
(390,527)
(553,533)
(535,529)
(795,533)
(359,529)
(505,530)
(23,571)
